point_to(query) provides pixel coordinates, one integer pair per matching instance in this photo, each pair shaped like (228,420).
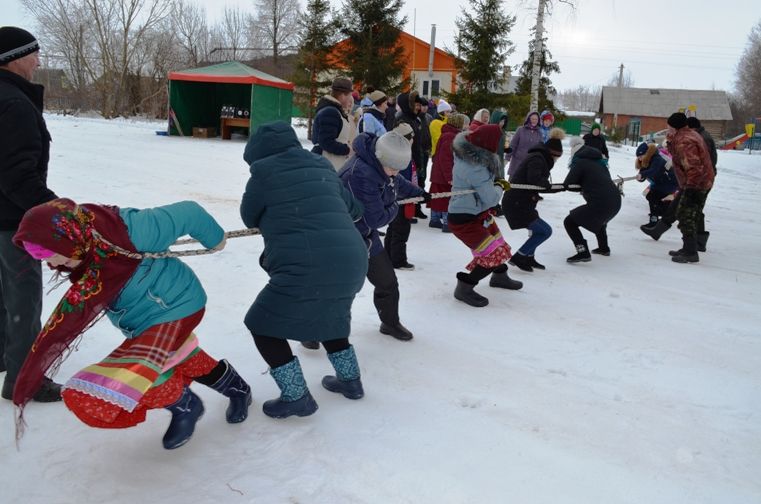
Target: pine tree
(373,55)
(483,44)
(318,34)
(546,68)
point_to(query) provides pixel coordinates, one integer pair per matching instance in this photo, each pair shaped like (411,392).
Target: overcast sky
(692,44)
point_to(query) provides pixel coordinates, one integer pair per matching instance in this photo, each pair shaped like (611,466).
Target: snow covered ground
(630,379)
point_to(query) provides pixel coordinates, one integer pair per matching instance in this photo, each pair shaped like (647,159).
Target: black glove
(426,196)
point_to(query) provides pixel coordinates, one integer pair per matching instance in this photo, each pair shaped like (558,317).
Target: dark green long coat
(315,257)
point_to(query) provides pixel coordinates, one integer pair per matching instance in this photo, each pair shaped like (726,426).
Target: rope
(255,231)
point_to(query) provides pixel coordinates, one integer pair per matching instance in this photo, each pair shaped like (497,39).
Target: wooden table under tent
(197,97)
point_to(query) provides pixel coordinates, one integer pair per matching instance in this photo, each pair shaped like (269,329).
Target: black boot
(185,413)
(702,240)
(231,385)
(535,264)
(601,251)
(419,212)
(464,292)
(522,262)
(49,391)
(397,331)
(500,279)
(689,250)
(582,254)
(653,221)
(656,231)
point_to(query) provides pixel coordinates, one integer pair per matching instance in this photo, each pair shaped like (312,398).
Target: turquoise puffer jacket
(162,290)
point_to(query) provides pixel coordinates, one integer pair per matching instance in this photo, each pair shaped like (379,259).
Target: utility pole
(620,86)
(536,67)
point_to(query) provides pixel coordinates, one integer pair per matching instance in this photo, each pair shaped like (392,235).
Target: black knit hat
(693,122)
(16,43)
(677,120)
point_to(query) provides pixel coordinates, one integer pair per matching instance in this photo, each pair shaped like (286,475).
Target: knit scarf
(73,231)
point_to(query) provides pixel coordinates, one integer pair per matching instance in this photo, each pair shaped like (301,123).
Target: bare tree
(191,31)
(749,72)
(623,78)
(232,34)
(64,30)
(277,25)
(582,98)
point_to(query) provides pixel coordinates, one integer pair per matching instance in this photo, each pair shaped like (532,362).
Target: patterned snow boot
(295,398)
(185,413)
(347,380)
(582,254)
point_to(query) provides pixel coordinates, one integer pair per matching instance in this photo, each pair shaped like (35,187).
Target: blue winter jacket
(162,290)
(474,168)
(363,175)
(316,260)
(658,171)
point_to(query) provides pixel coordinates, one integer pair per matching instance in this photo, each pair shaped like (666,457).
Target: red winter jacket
(692,162)
(443,161)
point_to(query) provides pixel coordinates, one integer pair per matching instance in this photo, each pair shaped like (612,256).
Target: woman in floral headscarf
(155,301)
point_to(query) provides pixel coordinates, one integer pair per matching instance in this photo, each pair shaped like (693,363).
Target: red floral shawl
(74,231)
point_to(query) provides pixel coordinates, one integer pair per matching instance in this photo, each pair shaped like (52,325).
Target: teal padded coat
(315,257)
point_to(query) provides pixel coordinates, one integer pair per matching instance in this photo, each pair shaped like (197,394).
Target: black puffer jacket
(24,149)
(590,171)
(406,102)
(519,205)
(596,141)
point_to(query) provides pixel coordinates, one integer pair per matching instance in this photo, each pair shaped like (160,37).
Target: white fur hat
(576,144)
(443,106)
(393,151)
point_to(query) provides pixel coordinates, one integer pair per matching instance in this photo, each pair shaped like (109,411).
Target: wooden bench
(228,123)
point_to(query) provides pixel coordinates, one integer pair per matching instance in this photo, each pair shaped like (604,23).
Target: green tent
(196,96)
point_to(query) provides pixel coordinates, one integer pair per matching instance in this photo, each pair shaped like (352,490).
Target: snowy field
(630,379)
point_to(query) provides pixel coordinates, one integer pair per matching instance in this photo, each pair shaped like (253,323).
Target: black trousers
(572,228)
(381,274)
(395,242)
(20,303)
(700,219)
(277,352)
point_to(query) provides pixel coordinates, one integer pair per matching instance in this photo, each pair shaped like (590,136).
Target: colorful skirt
(483,238)
(146,372)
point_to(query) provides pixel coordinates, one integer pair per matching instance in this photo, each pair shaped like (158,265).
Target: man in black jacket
(24,153)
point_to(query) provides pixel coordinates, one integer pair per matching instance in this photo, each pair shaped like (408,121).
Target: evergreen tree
(373,55)
(318,34)
(546,68)
(483,44)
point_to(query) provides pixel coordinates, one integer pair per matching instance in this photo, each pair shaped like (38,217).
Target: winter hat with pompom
(393,151)
(554,143)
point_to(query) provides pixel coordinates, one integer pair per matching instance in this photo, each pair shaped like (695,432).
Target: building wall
(717,129)
(420,77)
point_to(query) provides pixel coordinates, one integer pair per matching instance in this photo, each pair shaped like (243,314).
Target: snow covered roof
(711,105)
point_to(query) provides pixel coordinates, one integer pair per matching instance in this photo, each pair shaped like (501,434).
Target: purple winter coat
(523,139)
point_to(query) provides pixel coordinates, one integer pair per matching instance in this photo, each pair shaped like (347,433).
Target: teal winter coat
(162,290)
(315,257)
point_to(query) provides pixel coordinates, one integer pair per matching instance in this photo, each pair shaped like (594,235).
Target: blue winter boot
(185,413)
(347,380)
(295,398)
(231,385)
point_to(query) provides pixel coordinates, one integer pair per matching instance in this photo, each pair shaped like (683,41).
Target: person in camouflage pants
(695,173)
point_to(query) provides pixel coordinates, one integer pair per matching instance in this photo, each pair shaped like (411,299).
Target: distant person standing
(526,137)
(24,155)
(694,124)
(547,120)
(595,139)
(332,129)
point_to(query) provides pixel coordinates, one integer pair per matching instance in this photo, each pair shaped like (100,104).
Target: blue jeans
(538,232)
(439,217)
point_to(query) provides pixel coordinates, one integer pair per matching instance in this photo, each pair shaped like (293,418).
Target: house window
(425,88)
(655,91)
(434,88)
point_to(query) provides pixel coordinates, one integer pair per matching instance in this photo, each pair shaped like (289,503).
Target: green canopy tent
(196,96)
